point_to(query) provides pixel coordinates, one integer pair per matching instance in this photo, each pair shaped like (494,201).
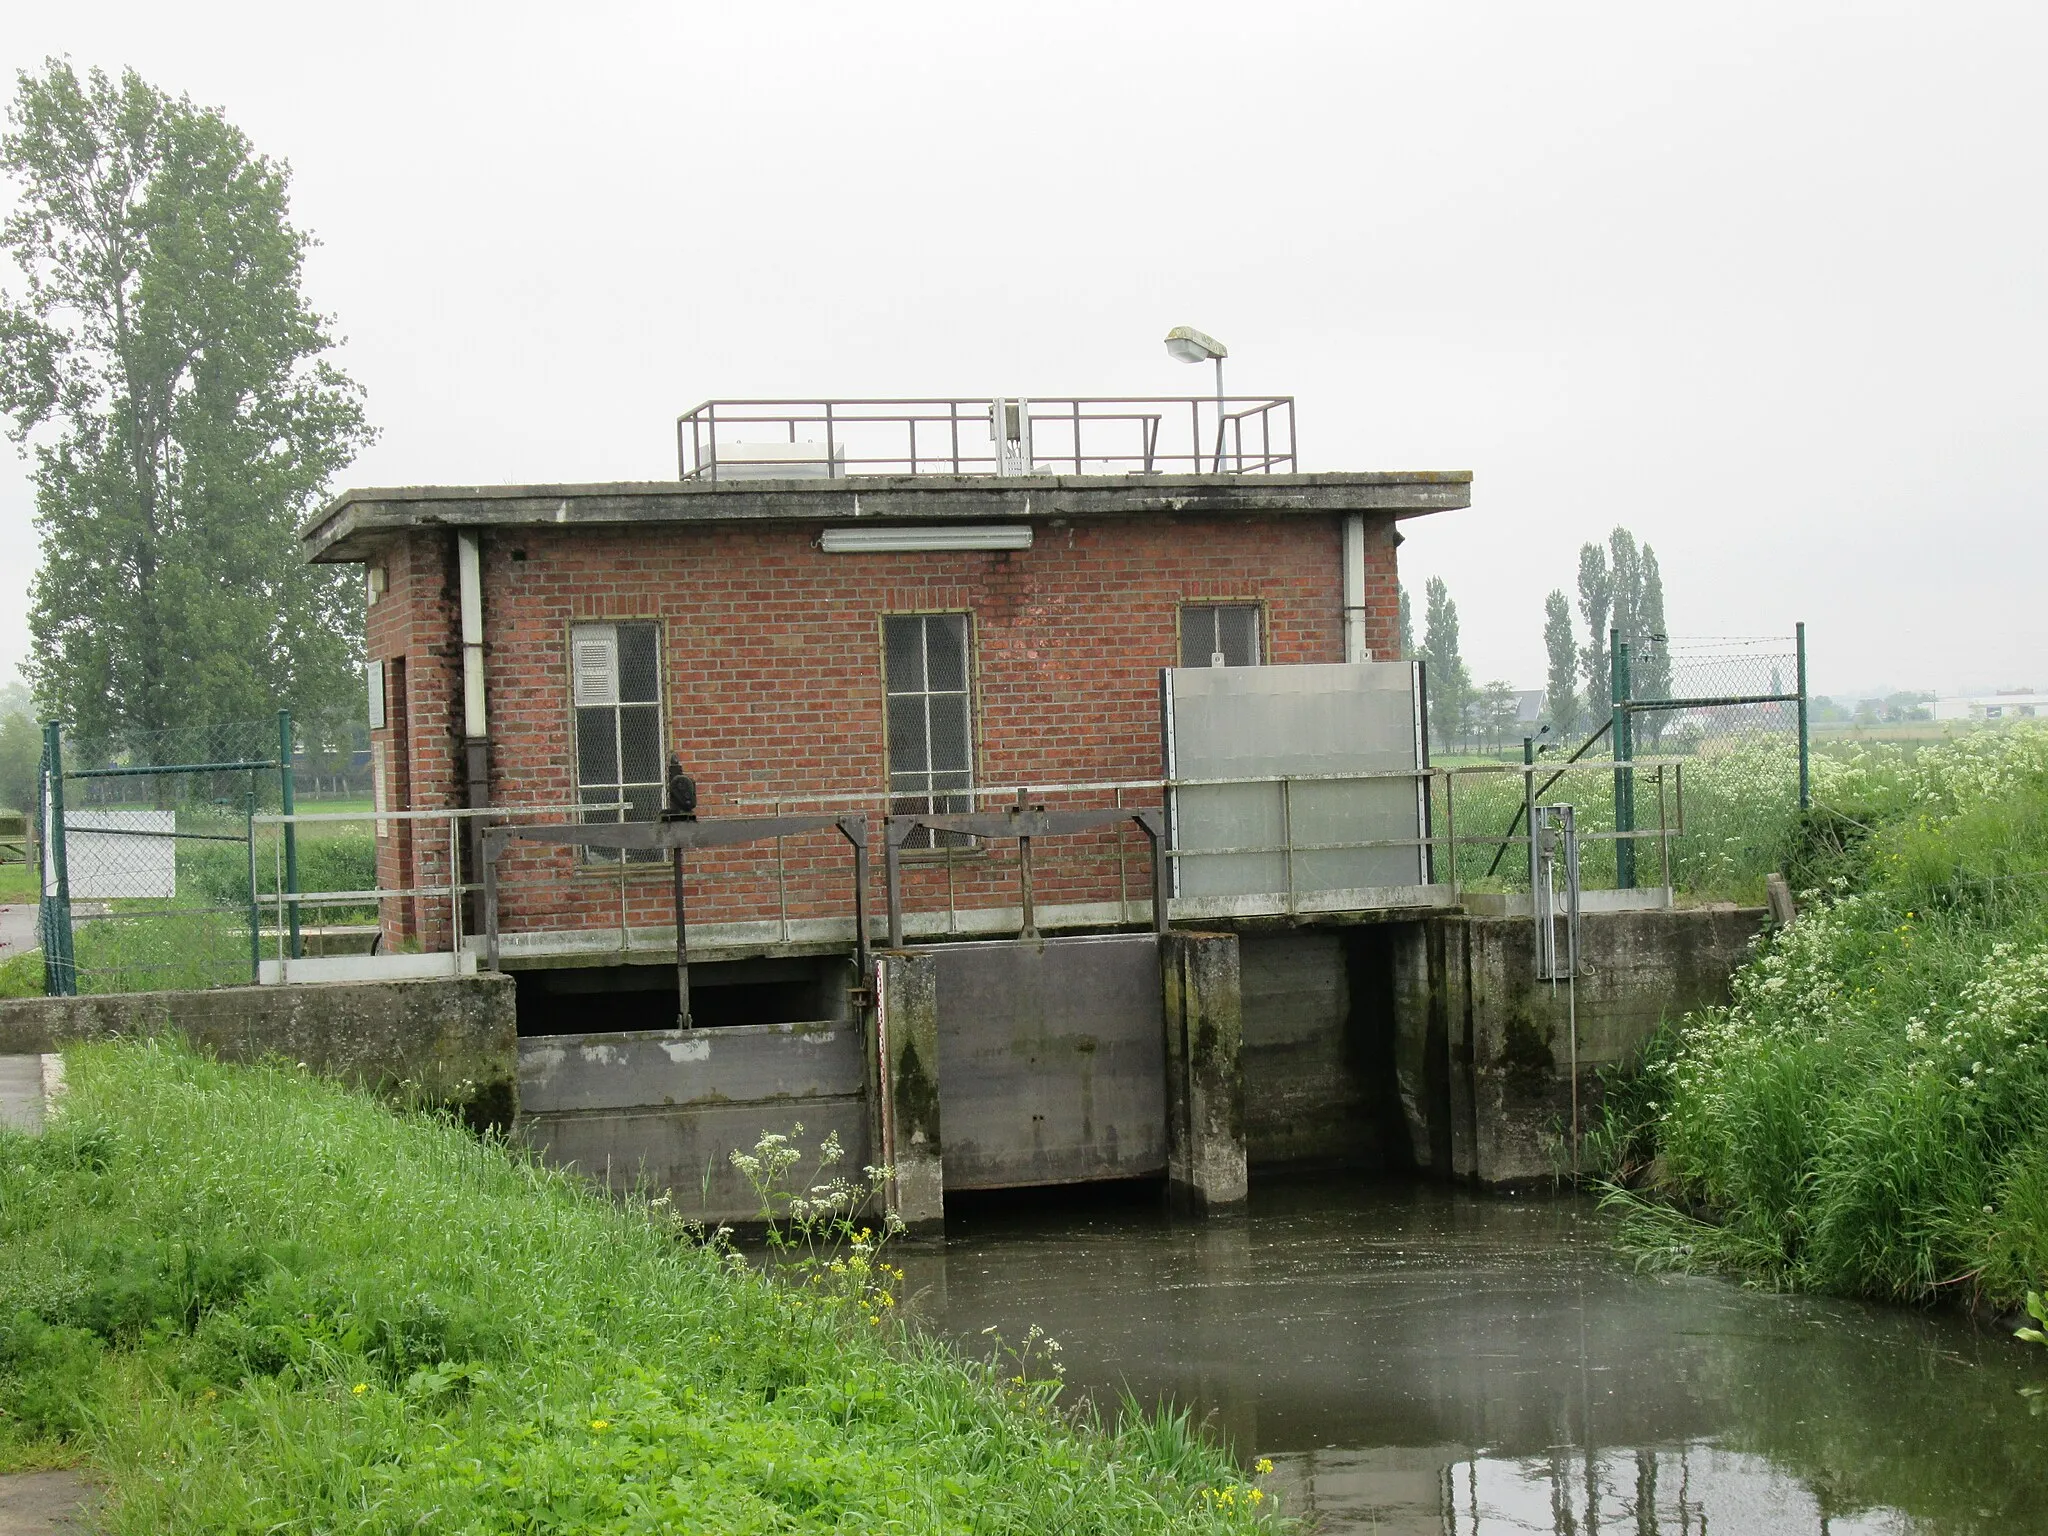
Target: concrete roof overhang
(354,525)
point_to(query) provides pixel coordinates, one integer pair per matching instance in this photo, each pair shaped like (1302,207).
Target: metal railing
(1138,435)
(1093,866)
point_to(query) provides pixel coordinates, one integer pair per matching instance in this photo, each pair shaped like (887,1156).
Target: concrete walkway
(21,1093)
(17,930)
(44,1504)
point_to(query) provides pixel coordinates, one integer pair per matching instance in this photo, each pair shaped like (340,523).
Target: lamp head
(1192,346)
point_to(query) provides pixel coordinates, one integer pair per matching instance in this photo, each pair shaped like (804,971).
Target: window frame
(602,860)
(1261,626)
(939,845)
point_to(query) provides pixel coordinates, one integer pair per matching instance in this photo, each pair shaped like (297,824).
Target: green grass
(18,883)
(256,1302)
(1871,1114)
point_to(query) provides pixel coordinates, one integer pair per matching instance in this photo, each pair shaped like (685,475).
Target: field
(1871,1115)
(254,1301)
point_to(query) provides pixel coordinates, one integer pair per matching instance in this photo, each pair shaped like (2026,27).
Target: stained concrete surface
(21,1094)
(44,1504)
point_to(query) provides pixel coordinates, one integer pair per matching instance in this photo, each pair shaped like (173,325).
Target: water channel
(1417,1359)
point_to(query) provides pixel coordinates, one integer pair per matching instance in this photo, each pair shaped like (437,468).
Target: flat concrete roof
(356,523)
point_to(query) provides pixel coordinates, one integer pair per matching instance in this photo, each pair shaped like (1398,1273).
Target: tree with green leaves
(1450,685)
(1407,637)
(1596,605)
(1561,696)
(170,383)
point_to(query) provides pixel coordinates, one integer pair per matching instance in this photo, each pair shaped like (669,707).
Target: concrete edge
(53,1085)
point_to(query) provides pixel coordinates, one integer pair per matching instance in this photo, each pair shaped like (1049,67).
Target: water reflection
(1415,1359)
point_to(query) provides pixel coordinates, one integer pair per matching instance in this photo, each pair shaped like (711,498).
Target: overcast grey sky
(1763,282)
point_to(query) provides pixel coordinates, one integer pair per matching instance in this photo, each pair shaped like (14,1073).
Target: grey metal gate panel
(1275,723)
(664,1110)
(1052,1061)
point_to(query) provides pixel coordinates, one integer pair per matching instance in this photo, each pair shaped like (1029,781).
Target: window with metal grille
(615,672)
(1219,635)
(931,717)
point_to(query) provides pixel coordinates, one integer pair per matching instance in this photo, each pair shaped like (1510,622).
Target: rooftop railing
(829,439)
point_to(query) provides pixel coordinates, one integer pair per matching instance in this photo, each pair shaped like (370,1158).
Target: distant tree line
(1620,588)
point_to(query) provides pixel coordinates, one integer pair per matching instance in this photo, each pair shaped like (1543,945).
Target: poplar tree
(166,376)
(1561,692)
(1407,625)
(1450,686)
(1596,605)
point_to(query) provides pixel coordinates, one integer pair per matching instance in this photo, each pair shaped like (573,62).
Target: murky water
(1420,1360)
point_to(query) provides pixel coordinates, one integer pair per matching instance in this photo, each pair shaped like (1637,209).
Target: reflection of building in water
(1692,1490)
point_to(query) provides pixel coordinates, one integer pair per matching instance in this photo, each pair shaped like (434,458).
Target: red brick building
(907,640)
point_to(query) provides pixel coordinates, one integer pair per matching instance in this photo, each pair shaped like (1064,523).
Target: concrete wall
(451,1041)
(665,1110)
(1484,1049)
(1052,1060)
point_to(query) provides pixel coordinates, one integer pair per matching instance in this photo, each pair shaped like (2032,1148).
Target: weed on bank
(1870,1116)
(257,1302)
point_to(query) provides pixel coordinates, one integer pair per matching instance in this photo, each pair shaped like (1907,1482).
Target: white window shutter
(595,654)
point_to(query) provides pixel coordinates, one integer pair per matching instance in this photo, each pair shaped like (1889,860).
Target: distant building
(2018,704)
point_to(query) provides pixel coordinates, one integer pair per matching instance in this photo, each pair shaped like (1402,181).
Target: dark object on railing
(1141,435)
(1023,822)
(682,793)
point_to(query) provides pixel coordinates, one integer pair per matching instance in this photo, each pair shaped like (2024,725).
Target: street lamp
(1189,345)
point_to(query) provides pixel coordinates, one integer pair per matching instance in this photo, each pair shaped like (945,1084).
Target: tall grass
(261,1303)
(1871,1113)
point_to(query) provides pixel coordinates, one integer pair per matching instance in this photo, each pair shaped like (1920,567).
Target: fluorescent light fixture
(902,540)
(1193,346)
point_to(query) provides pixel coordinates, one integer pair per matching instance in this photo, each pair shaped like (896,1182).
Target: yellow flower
(599,1426)
(360,1388)
(1263,1466)
(1258,1495)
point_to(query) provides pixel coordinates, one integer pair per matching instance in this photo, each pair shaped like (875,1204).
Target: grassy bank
(257,1302)
(1871,1115)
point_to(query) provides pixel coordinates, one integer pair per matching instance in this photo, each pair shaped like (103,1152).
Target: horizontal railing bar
(170,768)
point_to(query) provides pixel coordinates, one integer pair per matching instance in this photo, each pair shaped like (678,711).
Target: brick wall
(773,685)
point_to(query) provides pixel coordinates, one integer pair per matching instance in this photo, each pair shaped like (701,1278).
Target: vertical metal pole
(60,969)
(892,880)
(1024,878)
(1529,804)
(860,901)
(455,889)
(1624,752)
(291,832)
(1663,831)
(1805,782)
(1451,825)
(682,945)
(1155,834)
(255,902)
(488,855)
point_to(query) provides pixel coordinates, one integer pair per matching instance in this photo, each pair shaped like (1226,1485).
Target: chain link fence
(149,875)
(1692,778)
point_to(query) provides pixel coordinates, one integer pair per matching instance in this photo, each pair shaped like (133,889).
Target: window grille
(616,683)
(1219,635)
(931,717)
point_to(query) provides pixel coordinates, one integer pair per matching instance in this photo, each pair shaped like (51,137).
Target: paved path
(17,929)
(43,1504)
(21,1101)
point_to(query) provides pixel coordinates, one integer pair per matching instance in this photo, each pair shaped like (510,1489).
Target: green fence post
(1528,805)
(60,963)
(1805,781)
(291,833)
(255,901)
(1624,778)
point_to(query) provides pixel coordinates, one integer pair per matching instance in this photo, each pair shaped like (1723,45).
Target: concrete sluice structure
(1422,1045)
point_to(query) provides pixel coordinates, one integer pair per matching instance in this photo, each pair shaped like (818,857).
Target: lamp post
(1188,345)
